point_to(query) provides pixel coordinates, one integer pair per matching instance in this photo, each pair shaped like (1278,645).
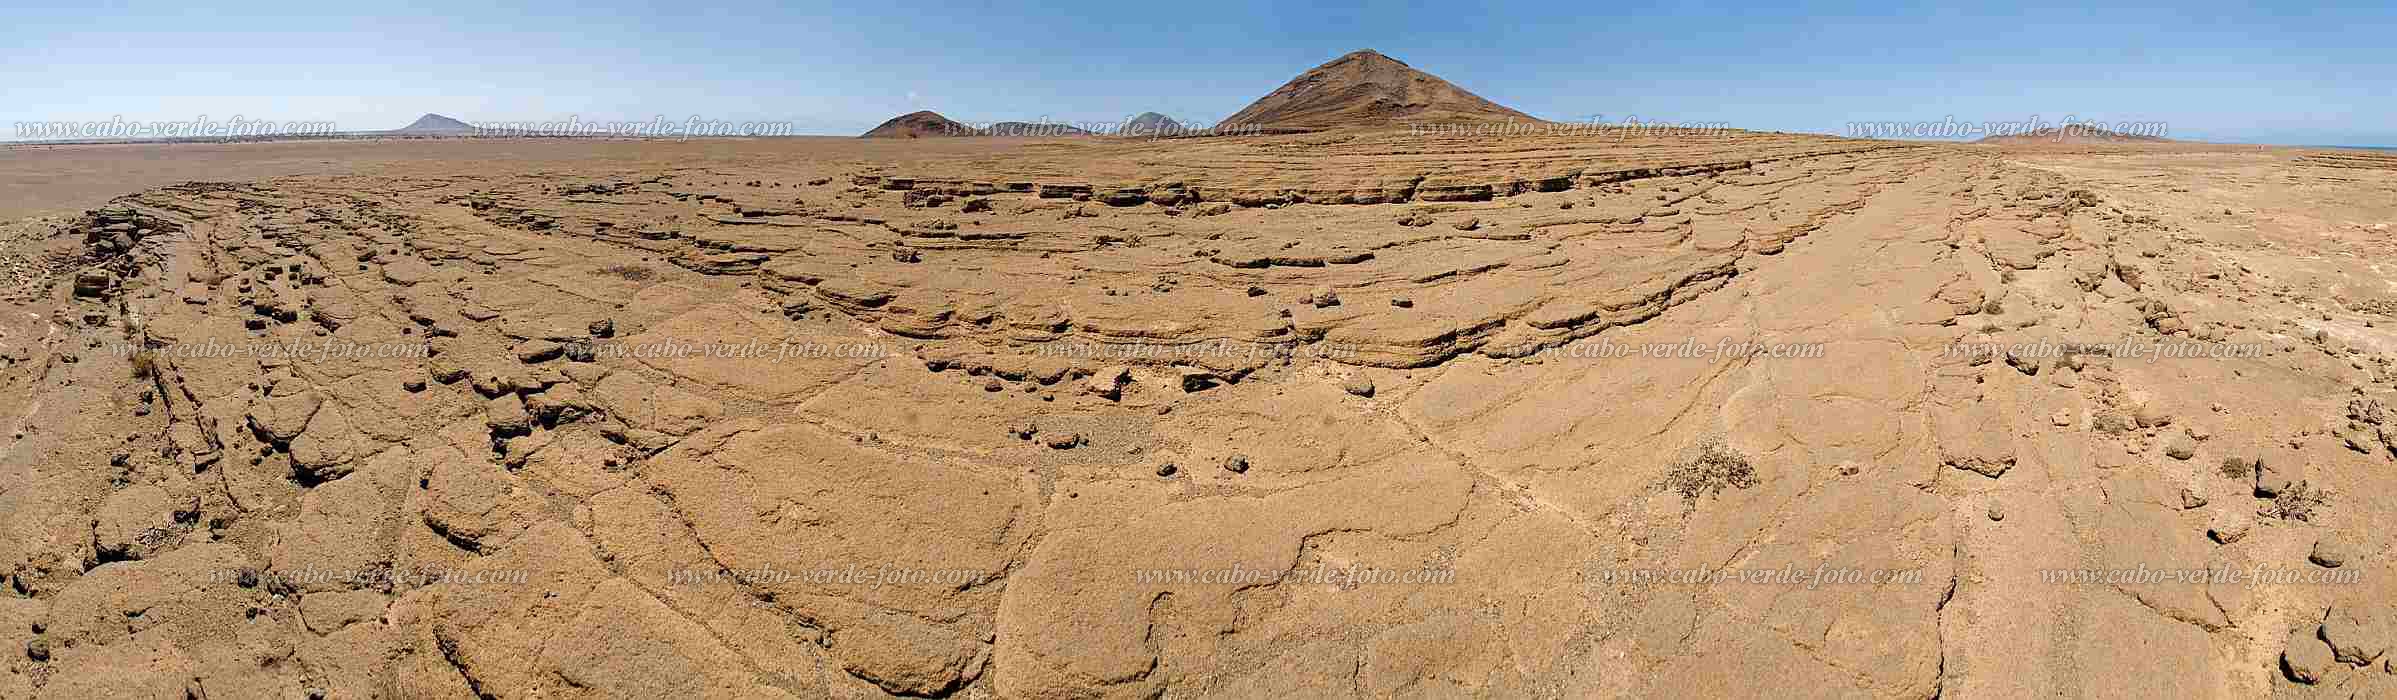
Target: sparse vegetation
(633,273)
(2237,467)
(589,406)
(1713,469)
(2299,501)
(145,364)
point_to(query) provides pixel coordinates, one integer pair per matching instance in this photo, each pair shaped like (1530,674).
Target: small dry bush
(2236,468)
(145,364)
(1714,469)
(2299,501)
(634,273)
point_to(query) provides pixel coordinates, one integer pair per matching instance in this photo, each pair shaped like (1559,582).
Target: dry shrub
(1714,469)
(145,364)
(2237,468)
(2300,501)
(634,273)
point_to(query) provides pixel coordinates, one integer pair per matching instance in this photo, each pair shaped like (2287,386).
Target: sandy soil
(1360,413)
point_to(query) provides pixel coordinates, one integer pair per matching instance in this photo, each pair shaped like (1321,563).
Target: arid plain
(1379,411)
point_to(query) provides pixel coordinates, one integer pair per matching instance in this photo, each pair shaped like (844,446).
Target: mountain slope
(1151,124)
(916,125)
(1366,88)
(437,124)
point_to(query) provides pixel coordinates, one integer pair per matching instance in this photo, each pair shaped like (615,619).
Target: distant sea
(2368,148)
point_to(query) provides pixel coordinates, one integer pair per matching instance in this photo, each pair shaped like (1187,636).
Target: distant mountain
(1151,124)
(437,125)
(1033,129)
(2072,134)
(1366,88)
(916,125)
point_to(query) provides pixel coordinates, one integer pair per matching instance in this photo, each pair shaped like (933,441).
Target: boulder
(507,415)
(2330,552)
(2357,632)
(2305,658)
(2149,415)
(2278,473)
(537,351)
(94,283)
(1195,379)
(1107,383)
(131,522)
(2228,526)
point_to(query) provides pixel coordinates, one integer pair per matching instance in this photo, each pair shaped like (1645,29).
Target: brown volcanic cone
(916,125)
(437,124)
(1363,88)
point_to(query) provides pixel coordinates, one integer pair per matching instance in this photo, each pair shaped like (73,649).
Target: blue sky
(2227,72)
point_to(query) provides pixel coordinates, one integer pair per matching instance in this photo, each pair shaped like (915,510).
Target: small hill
(917,125)
(2072,134)
(1367,88)
(1151,124)
(437,125)
(1034,129)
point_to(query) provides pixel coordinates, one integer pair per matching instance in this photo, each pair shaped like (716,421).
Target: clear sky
(2266,72)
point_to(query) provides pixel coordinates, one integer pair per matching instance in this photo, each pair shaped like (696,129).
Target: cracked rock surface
(1452,417)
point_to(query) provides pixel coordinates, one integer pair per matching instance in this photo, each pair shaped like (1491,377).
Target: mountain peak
(1151,124)
(1366,88)
(1366,55)
(918,124)
(436,124)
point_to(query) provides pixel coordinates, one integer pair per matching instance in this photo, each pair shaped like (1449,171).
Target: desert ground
(1383,412)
